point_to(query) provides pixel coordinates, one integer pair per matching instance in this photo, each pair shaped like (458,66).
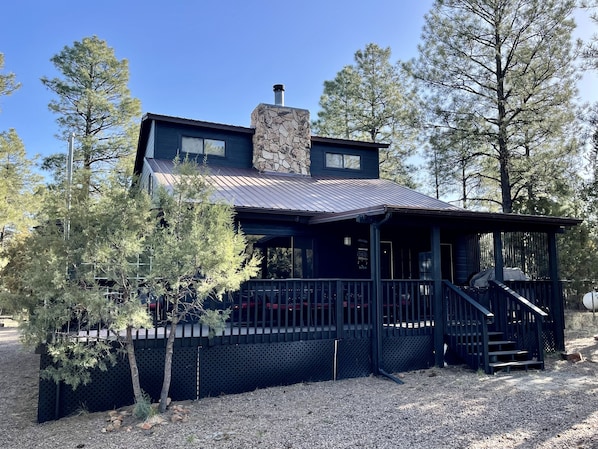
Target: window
(215,147)
(197,145)
(348,161)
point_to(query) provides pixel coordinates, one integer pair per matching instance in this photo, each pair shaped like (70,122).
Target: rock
(573,357)
(145,425)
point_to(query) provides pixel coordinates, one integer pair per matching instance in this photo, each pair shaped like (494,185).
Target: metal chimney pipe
(279,94)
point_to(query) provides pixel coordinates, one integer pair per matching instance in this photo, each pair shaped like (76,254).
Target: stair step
(501,342)
(526,364)
(508,352)
(491,335)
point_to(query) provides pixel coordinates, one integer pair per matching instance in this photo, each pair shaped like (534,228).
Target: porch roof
(325,199)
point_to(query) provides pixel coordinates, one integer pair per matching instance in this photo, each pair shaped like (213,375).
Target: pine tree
(95,104)
(20,188)
(8,82)
(197,255)
(502,73)
(372,100)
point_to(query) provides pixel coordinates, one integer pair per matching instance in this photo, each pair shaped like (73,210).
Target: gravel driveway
(437,408)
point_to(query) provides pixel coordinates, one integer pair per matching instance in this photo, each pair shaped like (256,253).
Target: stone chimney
(282,139)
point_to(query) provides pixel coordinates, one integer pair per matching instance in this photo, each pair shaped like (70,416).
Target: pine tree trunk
(168,366)
(137,393)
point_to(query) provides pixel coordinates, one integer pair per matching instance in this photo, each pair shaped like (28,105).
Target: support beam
(375,315)
(439,306)
(557,308)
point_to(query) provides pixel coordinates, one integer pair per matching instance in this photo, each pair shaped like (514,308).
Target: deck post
(557,309)
(376,291)
(498,259)
(500,318)
(439,306)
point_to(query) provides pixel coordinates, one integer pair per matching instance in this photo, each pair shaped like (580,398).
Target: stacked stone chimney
(282,139)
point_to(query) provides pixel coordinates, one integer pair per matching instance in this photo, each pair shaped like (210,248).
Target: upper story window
(348,161)
(197,145)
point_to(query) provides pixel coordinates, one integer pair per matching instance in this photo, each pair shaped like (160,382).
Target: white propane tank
(590,301)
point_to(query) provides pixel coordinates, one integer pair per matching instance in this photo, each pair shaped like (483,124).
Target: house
(360,275)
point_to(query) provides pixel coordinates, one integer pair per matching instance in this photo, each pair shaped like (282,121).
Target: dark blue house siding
(239,146)
(369,161)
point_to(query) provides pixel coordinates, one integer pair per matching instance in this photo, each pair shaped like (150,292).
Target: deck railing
(466,327)
(270,310)
(518,318)
(407,307)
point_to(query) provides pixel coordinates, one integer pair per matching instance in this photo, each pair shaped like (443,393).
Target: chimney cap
(278,87)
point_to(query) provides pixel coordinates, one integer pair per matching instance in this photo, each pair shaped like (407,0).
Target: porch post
(439,306)
(557,309)
(498,259)
(376,309)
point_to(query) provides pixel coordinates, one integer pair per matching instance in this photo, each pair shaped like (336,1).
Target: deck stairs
(503,354)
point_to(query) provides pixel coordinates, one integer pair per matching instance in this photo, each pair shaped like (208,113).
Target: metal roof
(248,188)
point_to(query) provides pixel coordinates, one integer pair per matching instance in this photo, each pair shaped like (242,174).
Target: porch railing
(273,310)
(407,307)
(466,327)
(518,318)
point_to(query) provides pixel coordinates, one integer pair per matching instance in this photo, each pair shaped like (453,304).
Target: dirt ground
(436,408)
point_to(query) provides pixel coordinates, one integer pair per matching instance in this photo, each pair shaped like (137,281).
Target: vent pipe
(279,94)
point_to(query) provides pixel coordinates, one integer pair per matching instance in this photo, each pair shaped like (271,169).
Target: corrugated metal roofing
(249,188)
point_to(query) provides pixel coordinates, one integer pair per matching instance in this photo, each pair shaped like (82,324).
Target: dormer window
(343,161)
(198,145)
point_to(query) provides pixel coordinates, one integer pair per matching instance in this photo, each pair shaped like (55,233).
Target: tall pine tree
(372,100)
(95,104)
(501,74)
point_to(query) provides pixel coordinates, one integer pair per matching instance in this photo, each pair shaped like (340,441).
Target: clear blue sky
(212,60)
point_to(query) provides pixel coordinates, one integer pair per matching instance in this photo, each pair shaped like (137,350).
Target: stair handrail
(463,330)
(526,305)
(521,299)
(483,310)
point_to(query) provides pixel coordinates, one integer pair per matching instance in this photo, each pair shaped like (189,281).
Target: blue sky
(212,60)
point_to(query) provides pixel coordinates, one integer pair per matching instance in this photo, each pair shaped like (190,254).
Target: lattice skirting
(202,370)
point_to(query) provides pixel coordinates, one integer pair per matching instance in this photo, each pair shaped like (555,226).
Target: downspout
(376,311)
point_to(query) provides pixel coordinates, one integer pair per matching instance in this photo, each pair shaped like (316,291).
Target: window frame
(345,164)
(217,143)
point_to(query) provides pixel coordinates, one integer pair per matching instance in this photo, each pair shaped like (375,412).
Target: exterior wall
(282,139)
(150,147)
(238,149)
(369,162)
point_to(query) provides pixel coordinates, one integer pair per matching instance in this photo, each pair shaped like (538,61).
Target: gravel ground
(437,408)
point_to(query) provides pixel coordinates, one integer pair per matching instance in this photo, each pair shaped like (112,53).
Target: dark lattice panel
(549,339)
(113,388)
(408,353)
(46,402)
(241,368)
(107,390)
(184,374)
(353,358)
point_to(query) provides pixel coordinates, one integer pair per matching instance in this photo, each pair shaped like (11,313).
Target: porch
(297,330)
